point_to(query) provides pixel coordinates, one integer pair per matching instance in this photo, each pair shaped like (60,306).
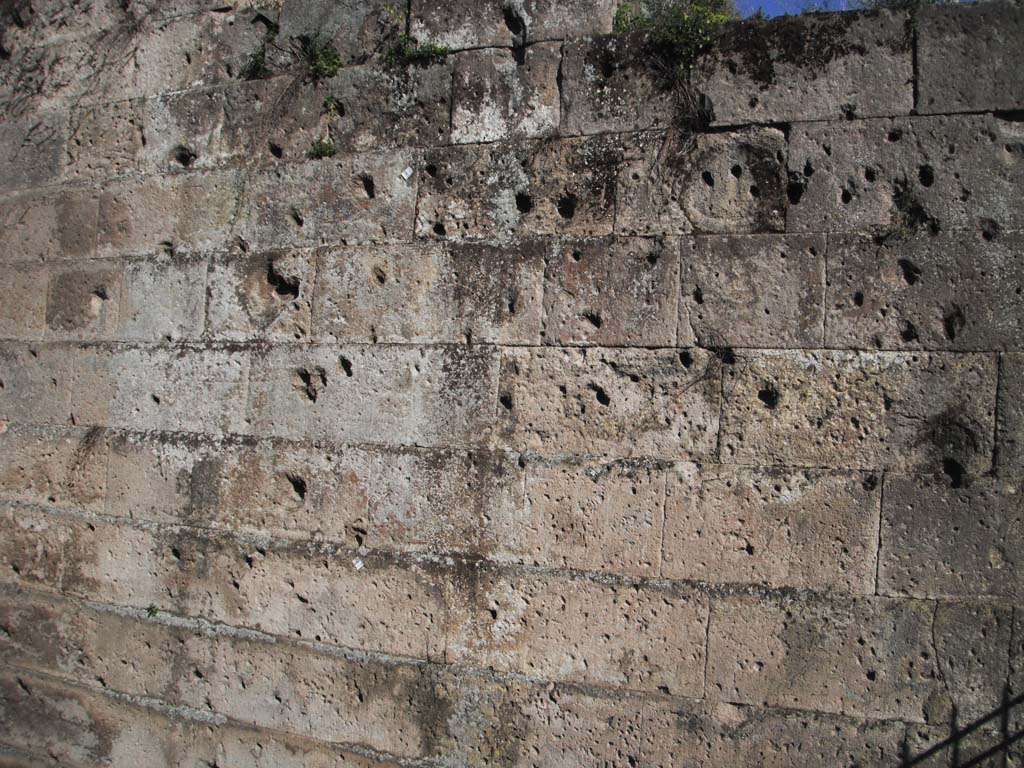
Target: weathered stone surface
(450,293)
(35,383)
(48,225)
(970,58)
(715,182)
(23,311)
(752,291)
(31,549)
(498,191)
(354,28)
(593,516)
(265,296)
(617,402)
(31,151)
(83,301)
(163,298)
(53,466)
(950,745)
(610,84)
(352,199)
(812,529)
(963,540)
(495,96)
(811,67)
(533,624)
(475,24)
(612,291)
(678,733)
(866,658)
(446,395)
(445,501)
(954,291)
(900,176)
(107,140)
(860,410)
(1010,415)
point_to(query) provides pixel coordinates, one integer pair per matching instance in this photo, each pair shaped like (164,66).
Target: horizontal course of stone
(524,426)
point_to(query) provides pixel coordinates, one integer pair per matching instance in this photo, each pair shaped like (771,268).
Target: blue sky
(781,7)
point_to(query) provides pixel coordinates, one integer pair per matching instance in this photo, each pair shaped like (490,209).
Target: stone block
(23,311)
(953,291)
(261,296)
(698,734)
(1010,415)
(48,226)
(83,301)
(31,549)
(866,658)
(593,516)
(423,293)
(961,541)
(163,298)
(752,291)
(35,383)
(475,24)
(867,410)
(898,177)
(503,190)
(354,28)
(536,624)
(107,140)
(815,529)
(342,200)
(445,500)
(612,291)
(811,67)
(969,58)
(185,213)
(610,83)
(396,395)
(721,183)
(43,465)
(495,95)
(616,402)
(32,150)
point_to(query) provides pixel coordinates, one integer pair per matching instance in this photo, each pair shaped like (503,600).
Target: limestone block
(48,226)
(822,66)
(868,657)
(31,549)
(340,200)
(902,176)
(615,402)
(970,58)
(83,301)
(1010,415)
(32,150)
(954,291)
(23,311)
(476,24)
(265,296)
(752,291)
(614,291)
(593,516)
(722,183)
(35,383)
(535,625)
(866,410)
(395,395)
(502,190)
(959,541)
(44,465)
(354,28)
(497,96)
(447,293)
(811,529)
(163,298)
(108,140)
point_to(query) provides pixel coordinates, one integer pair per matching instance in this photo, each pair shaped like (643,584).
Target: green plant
(407,51)
(676,32)
(321,57)
(330,106)
(322,148)
(152,610)
(255,67)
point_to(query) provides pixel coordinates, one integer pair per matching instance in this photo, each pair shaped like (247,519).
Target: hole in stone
(894,135)
(749,549)
(567,206)
(953,322)
(276,150)
(909,332)
(380,275)
(911,272)
(698,295)
(506,401)
(769,396)
(846,197)
(708,178)
(346,365)
(870,483)
(311,382)
(686,358)
(439,229)
(297,217)
(989,229)
(927,175)
(513,21)
(432,170)
(282,285)
(858,299)
(736,170)
(368,186)
(955,471)
(576,255)
(795,191)
(754,191)
(524,203)
(298,485)
(869,174)
(600,394)
(607,68)
(593,318)
(184,156)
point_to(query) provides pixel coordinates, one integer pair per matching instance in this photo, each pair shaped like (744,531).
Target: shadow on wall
(990,739)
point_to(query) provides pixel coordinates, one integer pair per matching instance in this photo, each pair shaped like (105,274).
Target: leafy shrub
(321,57)
(407,51)
(322,148)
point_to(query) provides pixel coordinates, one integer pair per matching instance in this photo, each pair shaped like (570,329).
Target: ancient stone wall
(364,403)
